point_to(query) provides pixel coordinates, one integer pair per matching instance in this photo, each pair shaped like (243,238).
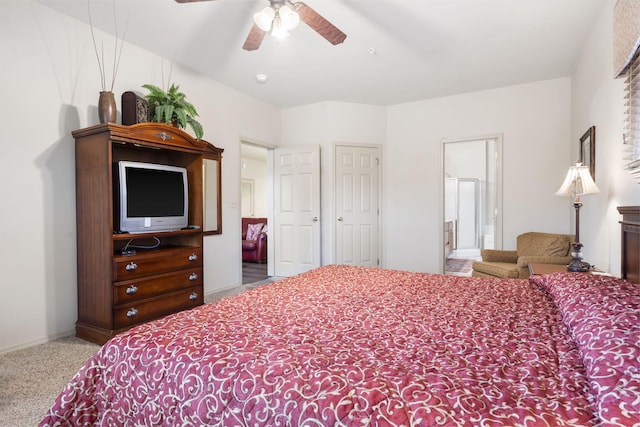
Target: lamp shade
(290,19)
(578,182)
(264,18)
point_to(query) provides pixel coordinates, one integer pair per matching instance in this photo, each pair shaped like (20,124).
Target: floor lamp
(578,182)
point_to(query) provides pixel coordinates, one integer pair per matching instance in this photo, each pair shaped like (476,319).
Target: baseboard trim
(36,342)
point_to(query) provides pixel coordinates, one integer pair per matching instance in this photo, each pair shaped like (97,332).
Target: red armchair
(254,240)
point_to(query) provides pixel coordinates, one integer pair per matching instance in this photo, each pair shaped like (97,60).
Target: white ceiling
(421,48)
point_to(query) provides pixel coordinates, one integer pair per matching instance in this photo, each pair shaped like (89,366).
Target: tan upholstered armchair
(533,247)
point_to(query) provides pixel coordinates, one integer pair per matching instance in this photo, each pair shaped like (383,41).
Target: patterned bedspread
(351,346)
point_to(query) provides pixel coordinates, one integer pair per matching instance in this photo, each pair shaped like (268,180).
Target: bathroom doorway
(472,200)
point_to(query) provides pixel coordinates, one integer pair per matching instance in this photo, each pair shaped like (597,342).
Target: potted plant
(171,107)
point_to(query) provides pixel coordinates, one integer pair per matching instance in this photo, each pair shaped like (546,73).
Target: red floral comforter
(603,315)
(346,346)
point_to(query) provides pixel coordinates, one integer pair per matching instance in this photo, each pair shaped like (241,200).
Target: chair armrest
(497,255)
(524,261)
(261,242)
(261,246)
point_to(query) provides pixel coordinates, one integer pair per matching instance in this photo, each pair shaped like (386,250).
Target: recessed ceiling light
(262,78)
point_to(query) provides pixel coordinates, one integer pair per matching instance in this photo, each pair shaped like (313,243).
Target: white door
(296,210)
(356,201)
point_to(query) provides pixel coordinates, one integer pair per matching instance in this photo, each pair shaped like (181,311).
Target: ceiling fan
(281,16)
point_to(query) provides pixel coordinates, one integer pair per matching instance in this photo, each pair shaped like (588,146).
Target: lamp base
(579,266)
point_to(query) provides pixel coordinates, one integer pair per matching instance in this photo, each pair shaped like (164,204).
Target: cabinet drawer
(155,262)
(141,311)
(137,289)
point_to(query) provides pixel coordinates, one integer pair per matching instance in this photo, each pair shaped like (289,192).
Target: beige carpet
(31,379)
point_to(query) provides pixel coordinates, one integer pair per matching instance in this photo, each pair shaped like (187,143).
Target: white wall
(598,99)
(535,122)
(50,87)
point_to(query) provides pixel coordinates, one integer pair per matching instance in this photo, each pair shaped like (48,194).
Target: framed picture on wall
(588,150)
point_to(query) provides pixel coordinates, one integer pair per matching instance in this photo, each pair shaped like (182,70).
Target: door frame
(332,229)
(498,137)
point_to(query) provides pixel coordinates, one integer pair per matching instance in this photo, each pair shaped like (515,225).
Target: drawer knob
(131,290)
(193,296)
(132,312)
(193,257)
(131,266)
(193,276)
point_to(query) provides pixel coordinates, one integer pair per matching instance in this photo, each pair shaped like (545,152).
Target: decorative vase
(107,107)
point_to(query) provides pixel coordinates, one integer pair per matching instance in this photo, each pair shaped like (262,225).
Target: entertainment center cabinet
(118,289)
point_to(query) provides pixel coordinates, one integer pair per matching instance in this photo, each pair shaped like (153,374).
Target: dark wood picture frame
(588,150)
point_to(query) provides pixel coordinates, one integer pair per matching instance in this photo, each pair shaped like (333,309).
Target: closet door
(357,207)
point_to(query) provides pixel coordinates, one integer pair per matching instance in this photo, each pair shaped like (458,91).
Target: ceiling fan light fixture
(284,20)
(282,16)
(264,18)
(278,30)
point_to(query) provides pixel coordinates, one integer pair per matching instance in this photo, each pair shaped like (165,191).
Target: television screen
(152,197)
(153,192)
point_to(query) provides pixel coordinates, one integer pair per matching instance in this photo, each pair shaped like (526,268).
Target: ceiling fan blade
(319,24)
(254,39)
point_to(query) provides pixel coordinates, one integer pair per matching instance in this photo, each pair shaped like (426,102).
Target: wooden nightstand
(538,268)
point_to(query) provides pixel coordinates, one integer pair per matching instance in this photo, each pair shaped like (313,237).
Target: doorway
(281,188)
(254,206)
(472,200)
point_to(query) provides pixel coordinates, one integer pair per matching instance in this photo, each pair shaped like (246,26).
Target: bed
(354,346)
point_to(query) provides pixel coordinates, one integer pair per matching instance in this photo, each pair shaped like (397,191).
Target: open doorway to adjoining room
(254,201)
(472,200)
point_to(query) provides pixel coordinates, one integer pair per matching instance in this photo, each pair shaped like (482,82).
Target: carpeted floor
(32,378)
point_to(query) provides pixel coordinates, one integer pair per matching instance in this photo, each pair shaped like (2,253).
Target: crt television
(151,197)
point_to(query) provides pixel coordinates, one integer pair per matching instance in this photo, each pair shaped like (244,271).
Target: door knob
(340,218)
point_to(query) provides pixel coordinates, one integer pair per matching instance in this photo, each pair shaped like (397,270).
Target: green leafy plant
(171,107)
